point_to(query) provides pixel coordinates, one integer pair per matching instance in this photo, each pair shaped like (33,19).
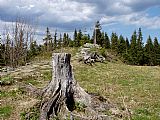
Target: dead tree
(60,95)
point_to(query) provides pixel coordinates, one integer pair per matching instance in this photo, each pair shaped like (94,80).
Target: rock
(90,45)
(89,54)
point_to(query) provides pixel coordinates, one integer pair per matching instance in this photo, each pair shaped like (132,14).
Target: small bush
(102,52)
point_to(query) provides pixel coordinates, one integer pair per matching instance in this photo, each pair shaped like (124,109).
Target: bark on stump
(60,95)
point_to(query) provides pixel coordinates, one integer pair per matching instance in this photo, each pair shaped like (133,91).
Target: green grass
(7,94)
(5,111)
(47,75)
(7,80)
(139,85)
(32,81)
(11,93)
(34,114)
(80,107)
(48,55)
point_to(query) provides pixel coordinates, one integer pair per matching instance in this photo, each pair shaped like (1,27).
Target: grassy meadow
(136,88)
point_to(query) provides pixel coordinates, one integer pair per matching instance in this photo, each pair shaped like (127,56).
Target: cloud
(68,14)
(138,19)
(49,13)
(140,5)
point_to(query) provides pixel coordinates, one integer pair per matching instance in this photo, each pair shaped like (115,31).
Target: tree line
(19,48)
(135,52)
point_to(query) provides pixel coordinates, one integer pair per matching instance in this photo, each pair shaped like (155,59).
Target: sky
(120,16)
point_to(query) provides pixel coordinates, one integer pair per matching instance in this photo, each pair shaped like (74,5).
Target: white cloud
(138,19)
(68,14)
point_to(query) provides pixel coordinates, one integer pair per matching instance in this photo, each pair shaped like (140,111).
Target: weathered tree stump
(60,95)
(63,93)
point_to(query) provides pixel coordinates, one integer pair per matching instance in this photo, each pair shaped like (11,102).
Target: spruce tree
(64,40)
(102,40)
(84,39)
(121,45)
(133,49)
(75,38)
(126,55)
(2,49)
(79,38)
(114,42)
(60,41)
(71,43)
(67,40)
(156,52)
(127,45)
(149,53)
(55,40)
(48,40)
(107,41)
(140,55)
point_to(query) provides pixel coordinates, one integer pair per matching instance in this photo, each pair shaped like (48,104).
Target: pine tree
(2,49)
(33,50)
(79,38)
(98,37)
(84,40)
(121,45)
(127,45)
(68,39)
(126,55)
(140,55)
(71,43)
(75,38)
(114,42)
(102,40)
(60,41)
(65,40)
(156,52)
(55,40)
(48,40)
(107,41)
(149,53)
(133,49)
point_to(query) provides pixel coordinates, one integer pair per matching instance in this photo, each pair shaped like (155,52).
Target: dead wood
(60,96)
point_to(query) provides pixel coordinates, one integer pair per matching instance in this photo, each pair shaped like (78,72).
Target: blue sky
(120,16)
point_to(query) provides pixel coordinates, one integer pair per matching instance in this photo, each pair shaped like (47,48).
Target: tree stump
(60,95)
